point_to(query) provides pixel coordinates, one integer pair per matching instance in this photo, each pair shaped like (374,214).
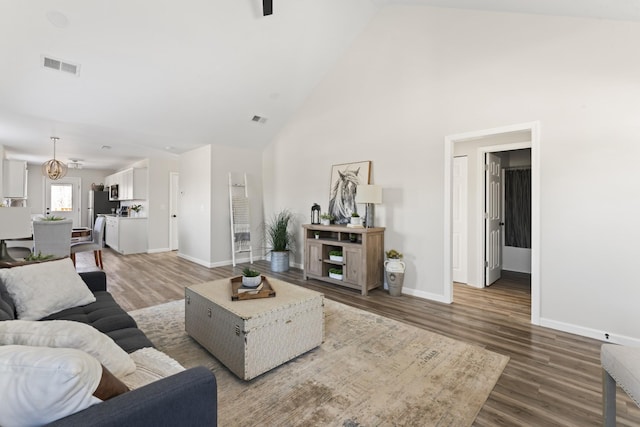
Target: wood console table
(362,252)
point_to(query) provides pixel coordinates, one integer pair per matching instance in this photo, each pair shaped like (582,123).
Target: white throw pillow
(40,385)
(41,289)
(65,333)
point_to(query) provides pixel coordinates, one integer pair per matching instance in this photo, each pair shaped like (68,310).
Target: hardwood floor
(552,379)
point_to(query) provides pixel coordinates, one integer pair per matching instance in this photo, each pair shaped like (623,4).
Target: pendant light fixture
(54,169)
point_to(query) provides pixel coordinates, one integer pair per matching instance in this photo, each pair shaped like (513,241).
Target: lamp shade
(369,194)
(15,223)
(54,169)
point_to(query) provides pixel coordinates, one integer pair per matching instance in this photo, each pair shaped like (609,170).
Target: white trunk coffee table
(251,337)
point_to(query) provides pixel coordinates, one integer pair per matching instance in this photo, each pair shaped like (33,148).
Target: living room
(400,80)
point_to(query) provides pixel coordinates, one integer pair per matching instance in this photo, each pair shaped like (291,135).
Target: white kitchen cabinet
(126,235)
(139,184)
(132,183)
(111,233)
(126,184)
(14,179)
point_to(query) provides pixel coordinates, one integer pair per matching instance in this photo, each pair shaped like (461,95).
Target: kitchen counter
(124,217)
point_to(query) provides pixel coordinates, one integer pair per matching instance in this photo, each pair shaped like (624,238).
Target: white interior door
(459,211)
(62,198)
(493,218)
(173,211)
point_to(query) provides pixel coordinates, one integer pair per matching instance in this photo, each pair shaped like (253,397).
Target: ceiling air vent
(58,65)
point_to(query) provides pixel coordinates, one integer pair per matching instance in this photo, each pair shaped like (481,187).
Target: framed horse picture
(345,179)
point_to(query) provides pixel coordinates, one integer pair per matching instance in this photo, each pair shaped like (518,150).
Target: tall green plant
(277,230)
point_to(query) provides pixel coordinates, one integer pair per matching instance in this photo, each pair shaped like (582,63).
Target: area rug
(370,371)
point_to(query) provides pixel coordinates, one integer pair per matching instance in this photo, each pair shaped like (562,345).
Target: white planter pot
(394,272)
(251,282)
(335,258)
(335,276)
(325,222)
(356,220)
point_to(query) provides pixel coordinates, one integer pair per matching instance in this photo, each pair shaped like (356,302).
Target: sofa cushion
(39,385)
(68,334)
(109,318)
(41,289)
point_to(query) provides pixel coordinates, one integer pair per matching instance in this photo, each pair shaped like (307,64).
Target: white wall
(158,195)
(194,206)
(417,74)
(1,169)
(238,161)
(203,218)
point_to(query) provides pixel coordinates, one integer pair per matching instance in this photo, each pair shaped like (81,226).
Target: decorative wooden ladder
(240,219)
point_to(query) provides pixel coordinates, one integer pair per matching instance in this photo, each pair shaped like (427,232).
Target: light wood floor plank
(552,379)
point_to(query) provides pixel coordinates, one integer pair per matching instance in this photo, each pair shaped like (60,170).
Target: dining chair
(52,237)
(94,245)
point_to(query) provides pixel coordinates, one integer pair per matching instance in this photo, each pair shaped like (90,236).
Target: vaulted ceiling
(160,77)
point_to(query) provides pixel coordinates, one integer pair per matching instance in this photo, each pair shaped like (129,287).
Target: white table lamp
(15,223)
(369,195)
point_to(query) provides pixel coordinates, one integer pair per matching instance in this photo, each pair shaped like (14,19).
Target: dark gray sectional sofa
(185,399)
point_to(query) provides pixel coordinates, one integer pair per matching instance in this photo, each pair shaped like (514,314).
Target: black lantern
(315,214)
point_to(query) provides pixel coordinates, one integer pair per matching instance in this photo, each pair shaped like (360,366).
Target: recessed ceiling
(184,74)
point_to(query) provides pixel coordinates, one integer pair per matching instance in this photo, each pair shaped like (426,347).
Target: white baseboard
(218,263)
(425,295)
(590,333)
(158,250)
(195,260)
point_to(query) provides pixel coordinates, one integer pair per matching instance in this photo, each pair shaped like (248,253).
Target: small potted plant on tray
(250,278)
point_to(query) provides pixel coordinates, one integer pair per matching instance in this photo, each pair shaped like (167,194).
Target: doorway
(484,141)
(506,242)
(62,198)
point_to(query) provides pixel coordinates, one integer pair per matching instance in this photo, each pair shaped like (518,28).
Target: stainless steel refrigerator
(99,204)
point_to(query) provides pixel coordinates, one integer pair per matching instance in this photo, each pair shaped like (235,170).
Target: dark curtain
(517,210)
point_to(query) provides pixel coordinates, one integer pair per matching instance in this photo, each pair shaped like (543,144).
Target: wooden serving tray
(266,291)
